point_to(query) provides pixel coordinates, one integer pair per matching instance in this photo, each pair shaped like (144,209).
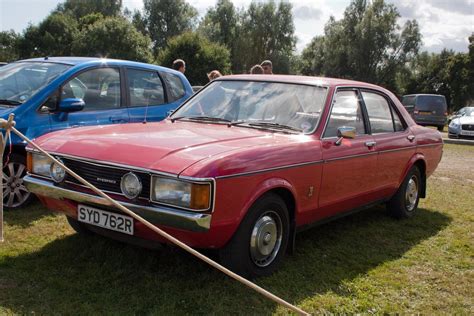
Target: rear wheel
(405,202)
(15,194)
(259,244)
(440,128)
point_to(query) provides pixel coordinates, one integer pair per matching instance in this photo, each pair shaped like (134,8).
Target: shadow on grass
(26,216)
(84,275)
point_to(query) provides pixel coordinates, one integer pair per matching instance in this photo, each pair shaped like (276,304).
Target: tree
(201,56)
(267,32)
(163,19)
(52,37)
(367,44)
(113,37)
(220,23)
(8,46)
(81,8)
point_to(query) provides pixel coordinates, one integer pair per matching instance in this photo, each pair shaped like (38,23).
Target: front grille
(468,127)
(110,176)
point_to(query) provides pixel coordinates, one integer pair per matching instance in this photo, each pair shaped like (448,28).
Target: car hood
(164,146)
(6,110)
(466,120)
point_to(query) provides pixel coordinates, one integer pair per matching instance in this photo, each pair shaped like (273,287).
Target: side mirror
(345,132)
(71,105)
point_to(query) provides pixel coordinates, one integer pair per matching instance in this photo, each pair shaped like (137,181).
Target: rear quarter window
(175,86)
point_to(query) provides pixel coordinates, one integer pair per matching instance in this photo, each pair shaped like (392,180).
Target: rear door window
(145,88)
(380,115)
(431,103)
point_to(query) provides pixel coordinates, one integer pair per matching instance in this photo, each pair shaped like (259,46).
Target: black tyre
(405,202)
(440,128)
(15,194)
(259,244)
(78,226)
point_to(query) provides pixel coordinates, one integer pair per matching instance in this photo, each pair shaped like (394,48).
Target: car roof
(77,61)
(309,80)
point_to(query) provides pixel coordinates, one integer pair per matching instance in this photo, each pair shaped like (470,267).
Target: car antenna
(146,112)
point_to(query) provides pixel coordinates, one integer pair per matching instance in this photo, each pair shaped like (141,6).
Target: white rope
(160,232)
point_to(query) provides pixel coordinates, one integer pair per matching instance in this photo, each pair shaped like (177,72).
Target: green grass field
(366,263)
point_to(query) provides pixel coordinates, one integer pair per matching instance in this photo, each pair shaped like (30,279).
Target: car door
(394,142)
(348,168)
(152,96)
(102,92)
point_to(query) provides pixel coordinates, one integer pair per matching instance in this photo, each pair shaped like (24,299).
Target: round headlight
(131,185)
(57,172)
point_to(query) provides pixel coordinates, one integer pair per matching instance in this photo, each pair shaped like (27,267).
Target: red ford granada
(243,165)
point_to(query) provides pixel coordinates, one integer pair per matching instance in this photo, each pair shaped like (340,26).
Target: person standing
(179,65)
(267,67)
(256,70)
(214,75)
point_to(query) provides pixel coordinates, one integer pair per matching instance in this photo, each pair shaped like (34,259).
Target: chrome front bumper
(190,221)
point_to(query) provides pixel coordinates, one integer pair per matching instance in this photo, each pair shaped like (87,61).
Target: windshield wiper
(275,126)
(9,102)
(202,118)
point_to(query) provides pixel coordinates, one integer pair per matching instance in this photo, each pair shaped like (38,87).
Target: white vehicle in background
(462,124)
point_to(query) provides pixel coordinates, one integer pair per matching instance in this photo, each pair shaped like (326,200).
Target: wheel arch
(418,160)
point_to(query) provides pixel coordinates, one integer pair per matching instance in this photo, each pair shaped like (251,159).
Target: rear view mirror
(71,105)
(345,132)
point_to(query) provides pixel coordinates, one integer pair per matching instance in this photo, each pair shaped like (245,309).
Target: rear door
(349,169)
(394,142)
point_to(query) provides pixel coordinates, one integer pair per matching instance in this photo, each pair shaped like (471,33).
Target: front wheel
(405,202)
(15,194)
(260,242)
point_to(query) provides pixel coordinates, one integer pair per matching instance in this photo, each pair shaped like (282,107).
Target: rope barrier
(9,125)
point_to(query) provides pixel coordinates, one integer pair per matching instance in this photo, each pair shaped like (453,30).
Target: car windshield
(267,105)
(469,112)
(20,81)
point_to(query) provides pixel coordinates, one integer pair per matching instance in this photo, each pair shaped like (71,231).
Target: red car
(243,165)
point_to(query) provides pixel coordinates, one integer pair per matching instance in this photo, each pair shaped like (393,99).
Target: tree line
(367,44)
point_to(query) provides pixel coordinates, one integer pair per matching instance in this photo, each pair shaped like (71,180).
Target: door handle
(117,120)
(411,137)
(370,143)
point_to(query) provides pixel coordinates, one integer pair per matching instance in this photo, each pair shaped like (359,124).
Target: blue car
(53,93)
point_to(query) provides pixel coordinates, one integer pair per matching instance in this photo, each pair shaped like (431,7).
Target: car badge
(106,180)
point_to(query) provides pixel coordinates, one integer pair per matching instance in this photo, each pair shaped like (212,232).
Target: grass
(366,263)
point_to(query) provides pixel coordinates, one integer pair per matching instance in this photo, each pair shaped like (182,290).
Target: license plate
(104,219)
(424,113)
(467,133)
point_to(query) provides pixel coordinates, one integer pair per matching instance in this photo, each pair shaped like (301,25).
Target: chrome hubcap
(14,191)
(411,194)
(265,240)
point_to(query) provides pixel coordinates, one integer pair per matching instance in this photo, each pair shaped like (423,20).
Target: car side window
(380,114)
(346,111)
(397,122)
(99,88)
(145,88)
(175,86)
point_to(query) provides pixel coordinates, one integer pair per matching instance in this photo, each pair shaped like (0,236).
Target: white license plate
(104,219)
(467,133)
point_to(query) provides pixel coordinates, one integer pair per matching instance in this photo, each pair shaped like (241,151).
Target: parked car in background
(49,94)
(462,125)
(459,113)
(427,109)
(242,165)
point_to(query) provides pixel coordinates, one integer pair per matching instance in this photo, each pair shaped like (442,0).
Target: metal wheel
(265,240)
(15,193)
(411,193)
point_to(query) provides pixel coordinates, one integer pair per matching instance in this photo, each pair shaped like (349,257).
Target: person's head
(267,67)
(214,75)
(179,65)
(256,70)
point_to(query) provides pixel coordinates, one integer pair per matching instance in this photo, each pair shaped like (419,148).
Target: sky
(443,23)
